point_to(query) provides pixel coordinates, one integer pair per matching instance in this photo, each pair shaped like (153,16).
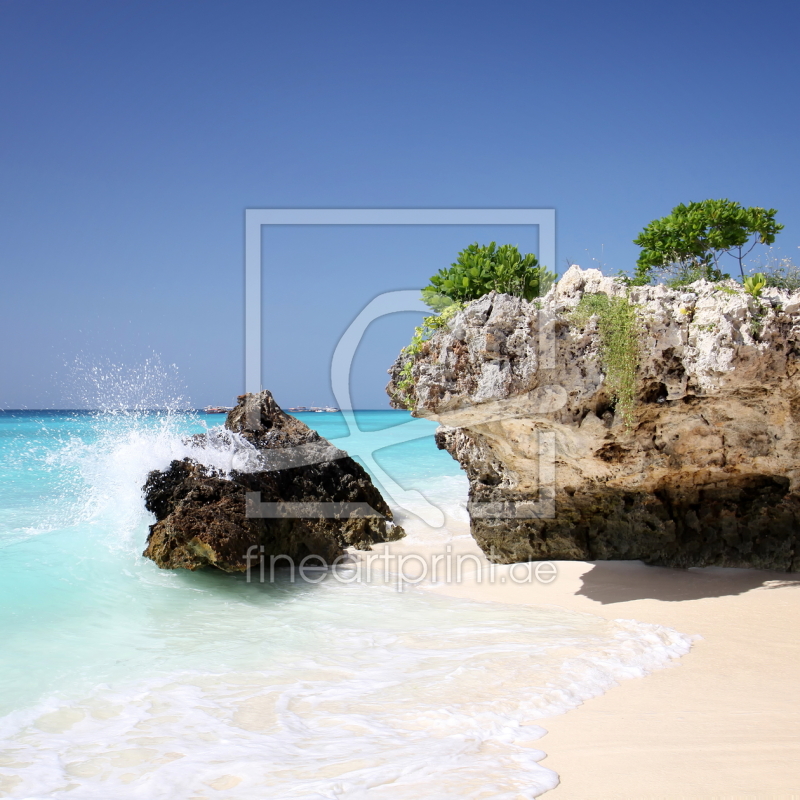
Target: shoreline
(723,721)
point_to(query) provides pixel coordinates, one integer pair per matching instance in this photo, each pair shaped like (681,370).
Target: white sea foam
(186,686)
(409,697)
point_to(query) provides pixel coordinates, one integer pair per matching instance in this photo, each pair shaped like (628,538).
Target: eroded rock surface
(201,513)
(707,473)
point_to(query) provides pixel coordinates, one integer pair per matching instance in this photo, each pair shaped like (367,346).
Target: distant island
(316,409)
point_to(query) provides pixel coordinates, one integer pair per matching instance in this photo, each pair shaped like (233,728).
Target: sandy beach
(723,722)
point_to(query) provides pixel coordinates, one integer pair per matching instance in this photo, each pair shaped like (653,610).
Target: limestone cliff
(705,471)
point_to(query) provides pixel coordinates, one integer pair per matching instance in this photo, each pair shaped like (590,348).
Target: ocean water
(120,680)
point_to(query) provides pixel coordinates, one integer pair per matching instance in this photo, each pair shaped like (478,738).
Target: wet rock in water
(703,470)
(206,518)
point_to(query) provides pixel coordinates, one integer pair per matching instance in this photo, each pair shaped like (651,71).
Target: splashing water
(119,388)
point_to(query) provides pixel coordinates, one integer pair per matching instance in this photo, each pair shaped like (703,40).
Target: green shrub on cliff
(480,269)
(619,329)
(687,245)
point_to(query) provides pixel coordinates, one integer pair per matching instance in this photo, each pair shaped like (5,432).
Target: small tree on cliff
(480,269)
(689,243)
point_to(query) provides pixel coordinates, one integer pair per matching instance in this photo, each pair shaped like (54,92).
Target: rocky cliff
(704,467)
(304,497)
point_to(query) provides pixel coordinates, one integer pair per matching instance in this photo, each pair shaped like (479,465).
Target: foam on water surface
(333,691)
(125,681)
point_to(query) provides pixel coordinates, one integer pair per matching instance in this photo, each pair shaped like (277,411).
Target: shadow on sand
(620,581)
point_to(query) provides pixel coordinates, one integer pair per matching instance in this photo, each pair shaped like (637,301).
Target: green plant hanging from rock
(619,329)
(405,383)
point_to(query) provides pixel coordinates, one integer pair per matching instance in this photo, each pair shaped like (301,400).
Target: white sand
(723,723)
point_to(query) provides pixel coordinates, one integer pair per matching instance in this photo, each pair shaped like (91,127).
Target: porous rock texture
(202,514)
(707,473)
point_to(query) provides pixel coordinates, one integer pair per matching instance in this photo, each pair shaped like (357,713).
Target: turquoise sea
(120,680)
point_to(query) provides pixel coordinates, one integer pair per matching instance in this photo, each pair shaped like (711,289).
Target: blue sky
(135,134)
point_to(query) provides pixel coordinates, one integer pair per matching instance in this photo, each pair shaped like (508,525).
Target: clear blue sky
(135,134)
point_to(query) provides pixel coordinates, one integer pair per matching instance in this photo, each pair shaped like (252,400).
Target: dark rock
(202,515)
(747,521)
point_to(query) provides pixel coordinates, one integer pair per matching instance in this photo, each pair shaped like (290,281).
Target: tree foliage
(480,269)
(690,242)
